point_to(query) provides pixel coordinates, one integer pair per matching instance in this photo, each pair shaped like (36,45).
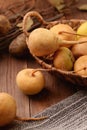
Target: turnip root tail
(61,32)
(31,118)
(31,14)
(65,42)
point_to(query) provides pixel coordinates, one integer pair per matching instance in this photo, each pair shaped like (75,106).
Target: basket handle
(32,14)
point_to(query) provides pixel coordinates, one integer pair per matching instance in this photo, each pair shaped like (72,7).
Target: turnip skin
(80,66)
(80,49)
(82,30)
(60,28)
(63,59)
(30,81)
(7,109)
(42,42)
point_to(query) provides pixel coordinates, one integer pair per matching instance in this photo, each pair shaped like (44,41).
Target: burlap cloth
(69,114)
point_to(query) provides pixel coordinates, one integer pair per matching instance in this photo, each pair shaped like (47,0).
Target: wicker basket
(70,76)
(66,75)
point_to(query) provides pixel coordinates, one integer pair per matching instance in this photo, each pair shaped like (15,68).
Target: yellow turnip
(82,30)
(63,59)
(8,110)
(80,66)
(61,30)
(80,49)
(30,81)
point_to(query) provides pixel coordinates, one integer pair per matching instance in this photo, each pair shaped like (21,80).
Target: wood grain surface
(55,89)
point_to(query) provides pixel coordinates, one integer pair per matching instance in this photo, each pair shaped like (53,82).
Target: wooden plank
(9,67)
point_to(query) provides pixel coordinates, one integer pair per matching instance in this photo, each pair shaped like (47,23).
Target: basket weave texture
(69,76)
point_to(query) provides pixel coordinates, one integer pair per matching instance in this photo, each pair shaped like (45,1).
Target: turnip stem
(62,42)
(72,33)
(31,118)
(39,69)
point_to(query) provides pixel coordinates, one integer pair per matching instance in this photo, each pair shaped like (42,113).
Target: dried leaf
(58,4)
(19,25)
(60,7)
(28,24)
(83,7)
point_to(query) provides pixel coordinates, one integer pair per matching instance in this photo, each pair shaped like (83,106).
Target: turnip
(30,81)
(80,49)
(82,30)
(42,42)
(80,66)
(63,59)
(59,30)
(8,109)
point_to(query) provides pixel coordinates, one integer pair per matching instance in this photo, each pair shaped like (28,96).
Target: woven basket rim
(51,68)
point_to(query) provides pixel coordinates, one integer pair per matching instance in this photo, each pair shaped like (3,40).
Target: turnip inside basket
(53,46)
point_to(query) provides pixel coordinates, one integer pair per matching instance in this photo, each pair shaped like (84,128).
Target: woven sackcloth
(69,114)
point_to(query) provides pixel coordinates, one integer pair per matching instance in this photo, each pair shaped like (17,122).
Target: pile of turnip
(61,41)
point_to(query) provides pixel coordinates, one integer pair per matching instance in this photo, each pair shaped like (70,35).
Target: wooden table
(55,90)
